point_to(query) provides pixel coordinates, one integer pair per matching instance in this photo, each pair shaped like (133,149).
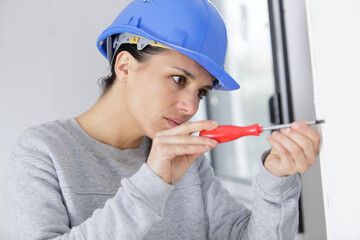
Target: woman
(129,167)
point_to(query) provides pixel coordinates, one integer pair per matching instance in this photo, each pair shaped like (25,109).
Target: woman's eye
(202,93)
(180,80)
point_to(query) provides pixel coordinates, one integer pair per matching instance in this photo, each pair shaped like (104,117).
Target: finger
(276,146)
(185,139)
(304,142)
(170,151)
(190,127)
(309,132)
(189,149)
(287,164)
(296,152)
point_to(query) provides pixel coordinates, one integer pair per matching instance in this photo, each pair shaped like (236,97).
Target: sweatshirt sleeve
(35,208)
(274,213)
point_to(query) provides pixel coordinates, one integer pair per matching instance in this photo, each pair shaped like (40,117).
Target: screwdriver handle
(226,133)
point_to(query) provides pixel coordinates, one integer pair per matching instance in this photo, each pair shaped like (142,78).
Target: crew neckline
(94,145)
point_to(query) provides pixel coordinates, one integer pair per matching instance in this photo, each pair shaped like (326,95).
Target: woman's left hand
(294,150)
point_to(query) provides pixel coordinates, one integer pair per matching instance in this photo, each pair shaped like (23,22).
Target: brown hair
(139,55)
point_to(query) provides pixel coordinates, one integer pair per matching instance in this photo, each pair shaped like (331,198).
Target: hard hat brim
(226,82)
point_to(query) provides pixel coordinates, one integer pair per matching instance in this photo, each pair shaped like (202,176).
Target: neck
(109,122)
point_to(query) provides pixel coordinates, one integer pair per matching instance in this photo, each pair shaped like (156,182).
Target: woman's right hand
(174,150)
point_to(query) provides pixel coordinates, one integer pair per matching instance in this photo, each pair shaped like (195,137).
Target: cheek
(155,102)
(149,101)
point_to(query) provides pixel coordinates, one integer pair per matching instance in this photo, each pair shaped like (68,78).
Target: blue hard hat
(191,27)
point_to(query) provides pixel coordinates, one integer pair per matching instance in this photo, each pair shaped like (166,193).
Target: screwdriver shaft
(276,127)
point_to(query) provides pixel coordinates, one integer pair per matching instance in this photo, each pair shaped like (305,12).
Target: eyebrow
(187,73)
(190,75)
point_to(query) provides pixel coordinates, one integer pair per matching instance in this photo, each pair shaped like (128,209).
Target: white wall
(49,63)
(335,50)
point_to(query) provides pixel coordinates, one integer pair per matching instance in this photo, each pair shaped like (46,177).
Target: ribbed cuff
(272,185)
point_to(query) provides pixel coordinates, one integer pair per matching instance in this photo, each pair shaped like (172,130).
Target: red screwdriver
(226,133)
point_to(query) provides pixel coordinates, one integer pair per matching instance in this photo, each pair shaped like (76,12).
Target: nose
(188,103)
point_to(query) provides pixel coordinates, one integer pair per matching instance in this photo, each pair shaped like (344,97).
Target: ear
(122,65)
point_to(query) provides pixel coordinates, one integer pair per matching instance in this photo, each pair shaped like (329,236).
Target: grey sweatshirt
(63,184)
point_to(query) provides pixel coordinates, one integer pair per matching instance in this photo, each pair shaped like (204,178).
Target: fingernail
(285,130)
(295,125)
(213,141)
(275,133)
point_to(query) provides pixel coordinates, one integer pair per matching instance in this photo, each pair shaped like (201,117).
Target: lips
(174,121)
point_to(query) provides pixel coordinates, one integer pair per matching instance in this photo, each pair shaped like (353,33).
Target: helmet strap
(109,49)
